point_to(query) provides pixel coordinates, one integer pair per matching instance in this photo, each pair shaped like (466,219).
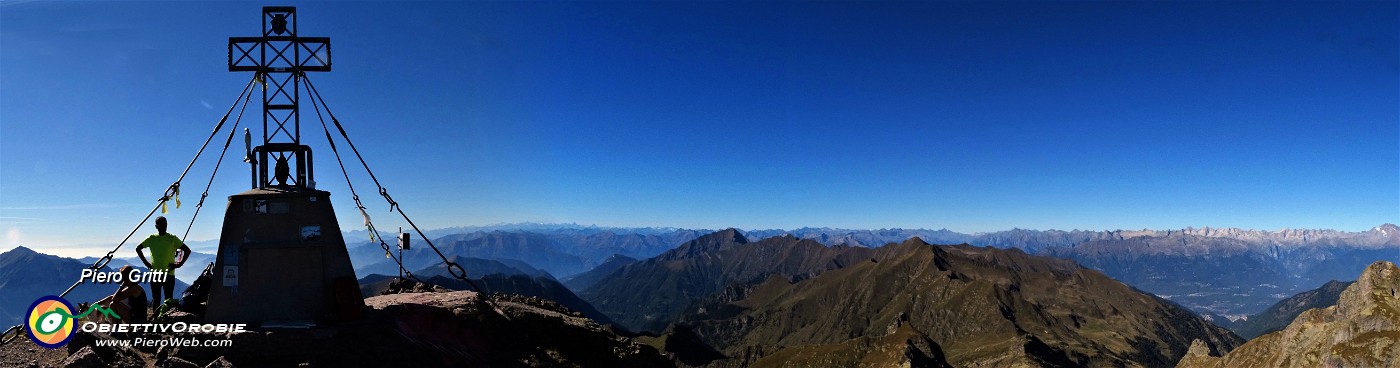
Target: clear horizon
(974,117)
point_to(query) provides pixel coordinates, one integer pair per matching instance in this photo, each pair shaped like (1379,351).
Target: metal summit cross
(282,257)
(280,58)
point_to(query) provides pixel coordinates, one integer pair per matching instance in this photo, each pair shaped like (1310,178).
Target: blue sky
(968,116)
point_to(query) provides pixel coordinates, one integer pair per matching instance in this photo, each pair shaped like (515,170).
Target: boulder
(84,358)
(221,362)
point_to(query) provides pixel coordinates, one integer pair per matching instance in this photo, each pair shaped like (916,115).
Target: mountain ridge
(716,259)
(911,301)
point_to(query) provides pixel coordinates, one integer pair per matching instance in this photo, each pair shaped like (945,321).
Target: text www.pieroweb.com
(165,341)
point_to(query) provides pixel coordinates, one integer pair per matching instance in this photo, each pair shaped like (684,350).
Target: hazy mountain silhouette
(1232,273)
(561,252)
(475,267)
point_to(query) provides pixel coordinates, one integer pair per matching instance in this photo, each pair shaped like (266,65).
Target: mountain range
(1227,272)
(561,251)
(1271,264)
(722,300)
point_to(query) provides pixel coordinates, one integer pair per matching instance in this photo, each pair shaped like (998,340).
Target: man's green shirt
(162,250)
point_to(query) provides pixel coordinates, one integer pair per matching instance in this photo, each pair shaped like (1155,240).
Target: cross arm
(279,54)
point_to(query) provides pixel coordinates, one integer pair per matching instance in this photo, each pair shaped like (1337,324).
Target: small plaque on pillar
(230,275)
(311,233)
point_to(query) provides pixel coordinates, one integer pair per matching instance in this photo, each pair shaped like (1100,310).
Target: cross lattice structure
(280,58)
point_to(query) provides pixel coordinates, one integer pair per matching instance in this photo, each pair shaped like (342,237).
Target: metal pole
(400,254)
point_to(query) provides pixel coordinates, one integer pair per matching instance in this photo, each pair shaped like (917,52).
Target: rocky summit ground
(510,330)
(428,328)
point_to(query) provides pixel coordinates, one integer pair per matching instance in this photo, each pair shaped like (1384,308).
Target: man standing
(163,246)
